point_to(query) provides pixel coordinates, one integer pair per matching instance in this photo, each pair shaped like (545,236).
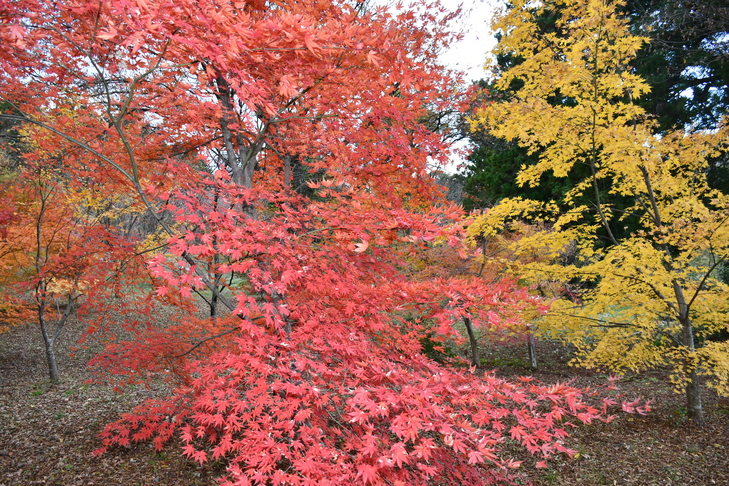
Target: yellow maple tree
(648,232)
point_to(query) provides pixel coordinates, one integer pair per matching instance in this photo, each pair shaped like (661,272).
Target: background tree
(652,294)
(60,251)
(490,170)
(684,62)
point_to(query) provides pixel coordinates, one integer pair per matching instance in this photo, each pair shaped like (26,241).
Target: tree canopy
(684,62)
(650,295)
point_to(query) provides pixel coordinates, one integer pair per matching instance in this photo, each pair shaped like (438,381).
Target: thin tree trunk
(217,288)
(48,340)
(682,308)
(475,359)
(232,160)
(532,350)
(287,171)
(52,364)
(214,305)
(248,162)
(50,337)
(694,406)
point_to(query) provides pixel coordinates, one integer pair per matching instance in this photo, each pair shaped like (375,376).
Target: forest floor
(47,433)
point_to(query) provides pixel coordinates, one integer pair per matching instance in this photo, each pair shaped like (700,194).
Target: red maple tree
(278,149)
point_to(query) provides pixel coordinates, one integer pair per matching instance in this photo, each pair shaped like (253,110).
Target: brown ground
(47,433)
(661,448)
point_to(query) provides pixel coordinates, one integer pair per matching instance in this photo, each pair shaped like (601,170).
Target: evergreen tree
(685,62)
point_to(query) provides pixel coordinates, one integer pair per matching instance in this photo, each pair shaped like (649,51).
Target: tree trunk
(51,335)
(287,171)
(475,359)
(694,407)
(682,308)
(48,340)
(52,365)
(217,277)
(214,305)
(532,350)
(248,165)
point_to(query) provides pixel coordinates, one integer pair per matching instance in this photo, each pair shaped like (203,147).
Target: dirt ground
(661,448)
(47,433)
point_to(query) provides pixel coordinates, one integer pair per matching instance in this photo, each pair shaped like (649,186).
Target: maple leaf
(17,32)
(107,33)
(312,46)
(286,88)
(361,247)
(398,454)
(368,473)
(475,457)
(358,416)
(370,447)
(372,58)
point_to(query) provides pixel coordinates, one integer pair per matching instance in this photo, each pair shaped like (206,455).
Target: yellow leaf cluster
(652,293)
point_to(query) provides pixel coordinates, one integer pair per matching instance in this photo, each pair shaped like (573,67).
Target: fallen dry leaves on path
(47,432)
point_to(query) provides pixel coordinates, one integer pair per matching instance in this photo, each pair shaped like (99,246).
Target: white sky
(470,54)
